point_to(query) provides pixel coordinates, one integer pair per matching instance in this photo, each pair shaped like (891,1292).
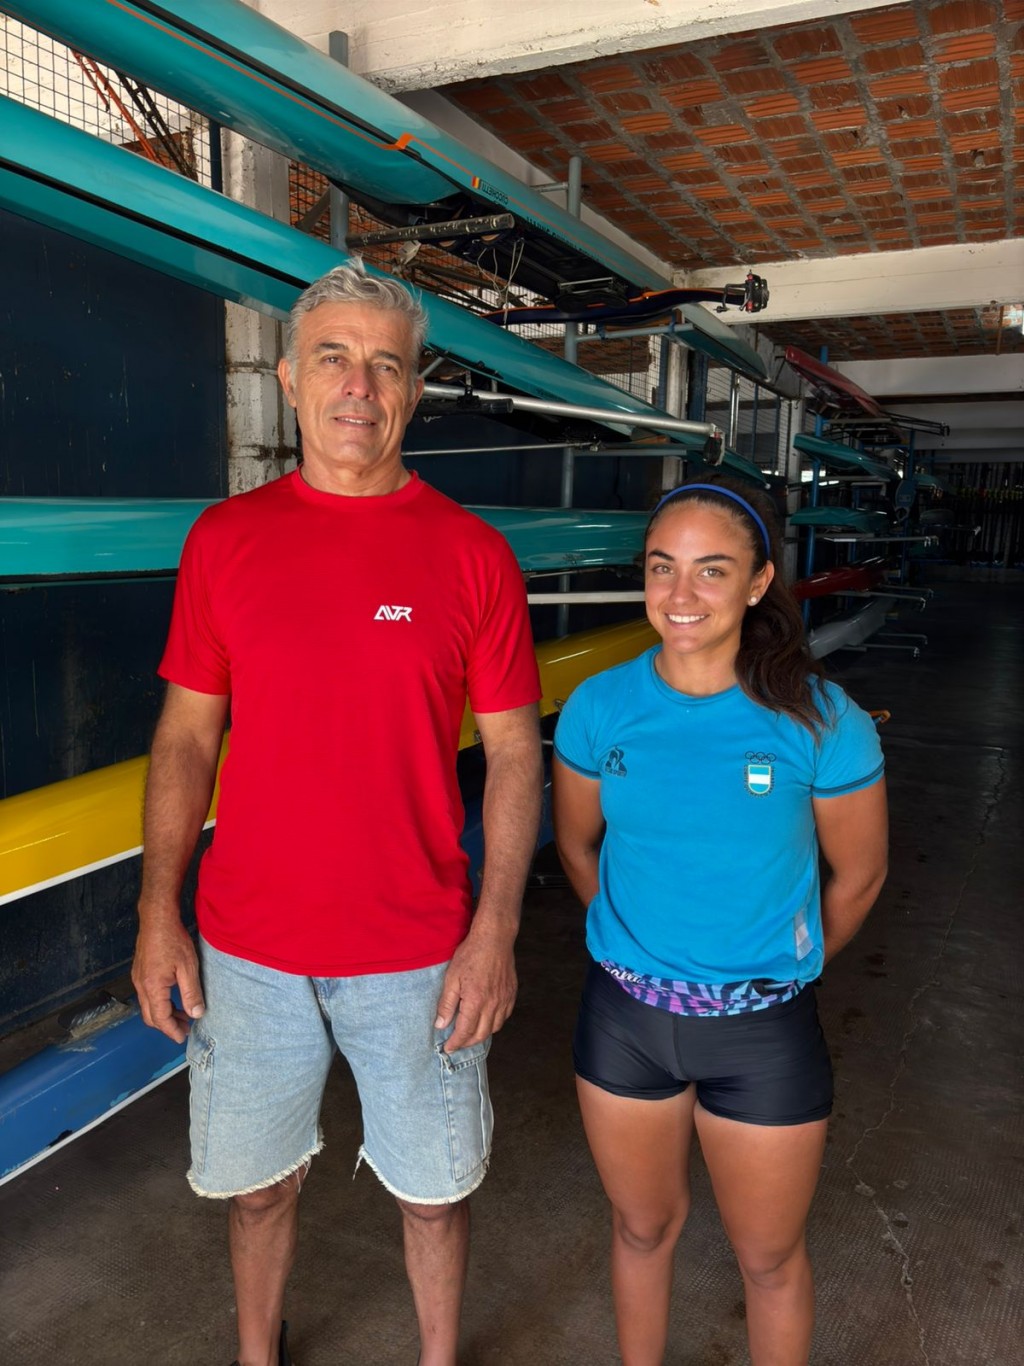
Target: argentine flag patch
(760,774)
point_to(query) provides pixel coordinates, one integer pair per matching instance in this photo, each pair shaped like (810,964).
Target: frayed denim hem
(303,1162)
(474,1182)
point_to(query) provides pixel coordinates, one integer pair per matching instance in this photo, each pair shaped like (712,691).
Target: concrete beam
(980,441)
(888,380)
(1009,456)
(422,44)
(998,417)
(926,280)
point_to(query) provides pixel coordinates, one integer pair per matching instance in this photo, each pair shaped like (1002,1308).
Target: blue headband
(725,493)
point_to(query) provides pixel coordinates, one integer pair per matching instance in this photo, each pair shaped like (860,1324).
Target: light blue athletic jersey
(709,865)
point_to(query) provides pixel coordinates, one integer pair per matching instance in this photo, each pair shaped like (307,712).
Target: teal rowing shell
(852,519)
(54,174)
(45,538)
(843,458)
(238,67)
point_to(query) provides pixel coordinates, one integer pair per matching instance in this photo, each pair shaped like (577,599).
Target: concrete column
(260,424)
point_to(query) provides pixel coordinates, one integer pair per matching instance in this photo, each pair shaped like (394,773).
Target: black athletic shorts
(767,1066)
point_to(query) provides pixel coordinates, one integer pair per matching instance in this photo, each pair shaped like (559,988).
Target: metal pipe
(673,331)
(658,421)
(434,232)
(337,47)
(792,467)
(673,360)
(819,427)
(697,388)
(216,157)
(753,424)
(734,409)
(563,597)
(661,388)
(573,203)
(908,473)
(639,452)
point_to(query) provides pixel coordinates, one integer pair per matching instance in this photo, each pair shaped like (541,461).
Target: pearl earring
(753,602)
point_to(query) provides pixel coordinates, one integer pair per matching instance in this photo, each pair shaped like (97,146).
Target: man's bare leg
(263,1230)
(436,1257)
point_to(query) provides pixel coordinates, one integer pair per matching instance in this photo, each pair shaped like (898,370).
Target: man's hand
(165,957)
(479,987)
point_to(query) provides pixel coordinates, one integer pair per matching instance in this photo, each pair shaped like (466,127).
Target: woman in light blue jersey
(694,788)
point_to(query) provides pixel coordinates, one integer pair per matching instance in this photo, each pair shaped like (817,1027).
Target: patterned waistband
(702,998)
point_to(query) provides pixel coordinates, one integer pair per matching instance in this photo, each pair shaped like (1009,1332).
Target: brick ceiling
(871,132)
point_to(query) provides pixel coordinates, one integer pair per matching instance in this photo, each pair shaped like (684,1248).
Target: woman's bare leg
(764,1178)
(641,1149)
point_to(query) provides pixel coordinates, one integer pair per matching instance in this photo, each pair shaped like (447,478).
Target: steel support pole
(753,425)
(216,157)
(908,473)
(674,361)
(574,203)
(815,494)
(793,464)
(337,47)
(734,410)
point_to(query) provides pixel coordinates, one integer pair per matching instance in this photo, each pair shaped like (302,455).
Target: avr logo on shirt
(760,773)
(386,613)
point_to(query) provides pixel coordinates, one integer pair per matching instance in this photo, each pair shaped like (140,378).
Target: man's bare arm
(481,980)
(182,772)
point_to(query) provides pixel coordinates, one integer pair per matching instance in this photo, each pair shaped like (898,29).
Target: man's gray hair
(350,284)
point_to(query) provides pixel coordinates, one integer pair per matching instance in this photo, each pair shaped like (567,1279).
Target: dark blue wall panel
(111,384)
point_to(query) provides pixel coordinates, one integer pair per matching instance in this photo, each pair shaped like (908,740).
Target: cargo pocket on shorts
(199,1056)
(467,1106)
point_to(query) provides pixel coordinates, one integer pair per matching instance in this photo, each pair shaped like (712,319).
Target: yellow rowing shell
(73,827)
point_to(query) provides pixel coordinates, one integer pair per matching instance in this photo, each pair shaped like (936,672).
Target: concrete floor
(106,1257)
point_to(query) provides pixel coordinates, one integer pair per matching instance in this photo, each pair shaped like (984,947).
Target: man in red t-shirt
(345,613)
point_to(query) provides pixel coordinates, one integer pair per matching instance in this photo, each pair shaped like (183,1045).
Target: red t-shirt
(348,633)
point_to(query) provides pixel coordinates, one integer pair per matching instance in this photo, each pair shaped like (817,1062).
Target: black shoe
(283,1355)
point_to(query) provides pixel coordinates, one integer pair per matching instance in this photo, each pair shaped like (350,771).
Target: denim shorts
(767,1066)
(258,1063)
